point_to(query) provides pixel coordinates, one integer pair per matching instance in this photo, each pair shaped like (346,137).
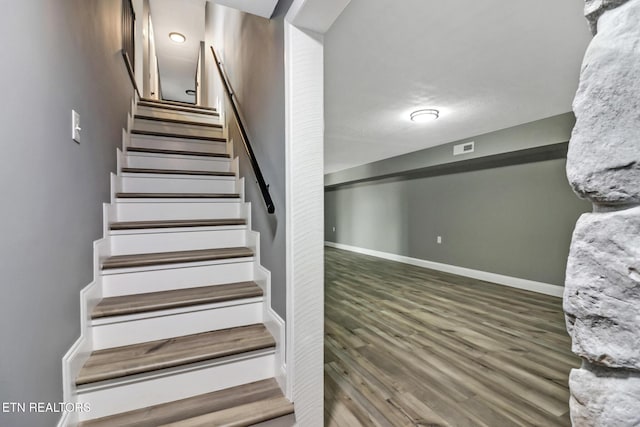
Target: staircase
(177,326)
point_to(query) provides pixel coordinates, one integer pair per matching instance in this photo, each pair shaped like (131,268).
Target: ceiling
(178,62)
(486,65)
(262,8)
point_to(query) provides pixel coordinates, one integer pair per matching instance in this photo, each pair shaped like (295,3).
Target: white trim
(276,326)
(304,159)
(512,282)
(65,420)
(77,355)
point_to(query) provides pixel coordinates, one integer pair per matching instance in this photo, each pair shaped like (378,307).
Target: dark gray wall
(514,220)
(59,56)
(252,49)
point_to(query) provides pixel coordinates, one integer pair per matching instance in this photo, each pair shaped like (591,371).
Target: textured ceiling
(486,65)
(178,62)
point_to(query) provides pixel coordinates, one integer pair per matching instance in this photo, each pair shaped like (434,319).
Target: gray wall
(62,55)
(514,220)
(540,133)
(252,49)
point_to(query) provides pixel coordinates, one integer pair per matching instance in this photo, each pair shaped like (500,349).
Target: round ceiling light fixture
(177,37)
(425,115)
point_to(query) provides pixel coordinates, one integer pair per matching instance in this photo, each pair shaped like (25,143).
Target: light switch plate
(75,126)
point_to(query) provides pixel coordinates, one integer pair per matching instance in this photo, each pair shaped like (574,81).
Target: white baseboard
(513,282)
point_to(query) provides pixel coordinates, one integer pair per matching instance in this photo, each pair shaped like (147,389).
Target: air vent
(466,148)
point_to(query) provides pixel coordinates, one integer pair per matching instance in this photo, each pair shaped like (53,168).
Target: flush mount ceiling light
(177,37)
(425,115)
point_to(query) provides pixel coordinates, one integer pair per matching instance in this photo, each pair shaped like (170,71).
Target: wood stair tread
(177,135)
(154,301)
(178,121)
(177,195)
(178,108)
(139,225)
(241,415)
(176,172)
(178,410)
(177,152)
(176,103)
(150,356)
(175,257)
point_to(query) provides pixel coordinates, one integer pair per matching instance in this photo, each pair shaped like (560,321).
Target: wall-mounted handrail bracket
(264,187)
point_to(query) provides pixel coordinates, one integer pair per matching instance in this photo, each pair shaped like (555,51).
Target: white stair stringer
(78,354)
(165,385)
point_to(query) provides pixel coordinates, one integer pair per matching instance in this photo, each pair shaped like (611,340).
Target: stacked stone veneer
(602,294)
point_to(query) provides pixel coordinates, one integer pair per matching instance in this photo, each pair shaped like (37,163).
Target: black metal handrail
(264,187)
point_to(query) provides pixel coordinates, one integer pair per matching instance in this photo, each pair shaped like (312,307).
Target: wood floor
(406,346)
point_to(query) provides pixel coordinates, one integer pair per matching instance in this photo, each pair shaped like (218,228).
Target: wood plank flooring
(133,359)
(407,346)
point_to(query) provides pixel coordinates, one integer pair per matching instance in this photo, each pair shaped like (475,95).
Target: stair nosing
(177,136)
(177,172)
(176,103)
(170,107)
(273,412)
(136,195)
(173,257)
(250,288)
(145,225)
(177,121)
(177,152)
(181,409)
(177,360)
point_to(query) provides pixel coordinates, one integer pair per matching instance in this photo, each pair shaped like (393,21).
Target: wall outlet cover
(75,126)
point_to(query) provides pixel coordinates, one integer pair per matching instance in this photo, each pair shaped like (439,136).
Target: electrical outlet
(75,126)
(439,239)
(334,229)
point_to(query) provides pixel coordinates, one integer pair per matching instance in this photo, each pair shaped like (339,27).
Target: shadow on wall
(386,203)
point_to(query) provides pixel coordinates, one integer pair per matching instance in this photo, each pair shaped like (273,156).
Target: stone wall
(602,294)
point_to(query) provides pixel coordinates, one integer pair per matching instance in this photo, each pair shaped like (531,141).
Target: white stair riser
(162,325)
(165,113)
(159,161)
(179,385)
(167,241)
(178,144)
(148,183)
(180,128)
(140,282)
(140,211)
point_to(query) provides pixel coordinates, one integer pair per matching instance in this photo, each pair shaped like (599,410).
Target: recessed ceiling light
(177,37)
(425,115)
(190,92)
